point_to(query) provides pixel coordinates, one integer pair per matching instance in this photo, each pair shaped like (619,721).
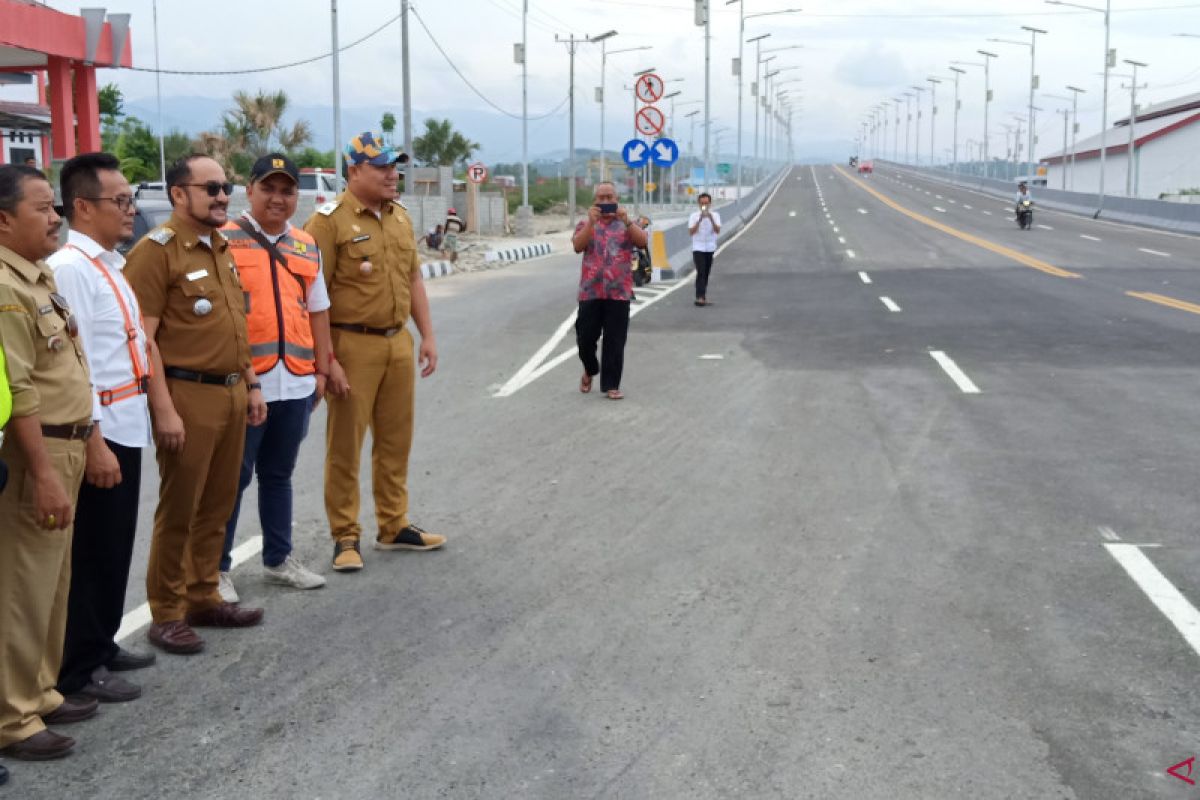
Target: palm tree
(443,146)
(253,128)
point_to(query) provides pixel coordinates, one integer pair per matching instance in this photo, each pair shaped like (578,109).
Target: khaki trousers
(35,580)
(196,493)
(382,372)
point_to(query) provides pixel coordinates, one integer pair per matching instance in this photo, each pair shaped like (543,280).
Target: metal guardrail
(1183,217)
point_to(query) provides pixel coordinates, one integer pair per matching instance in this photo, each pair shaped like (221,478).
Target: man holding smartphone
(608,240)
(704,226)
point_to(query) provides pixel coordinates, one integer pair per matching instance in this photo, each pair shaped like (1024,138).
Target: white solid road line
(139,617)
(1089,238)
(864,277)
(1154,252)
(957,375)
(890,303)
(1174,606)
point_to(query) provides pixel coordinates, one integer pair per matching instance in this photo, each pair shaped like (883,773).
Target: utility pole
(162,146)
(1066,112)
(407,86)
(958,73)
(1132,153)
(338,143)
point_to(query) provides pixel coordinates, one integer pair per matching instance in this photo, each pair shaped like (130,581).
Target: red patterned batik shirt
(607,262)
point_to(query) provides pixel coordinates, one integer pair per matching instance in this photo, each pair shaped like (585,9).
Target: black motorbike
(1025,214)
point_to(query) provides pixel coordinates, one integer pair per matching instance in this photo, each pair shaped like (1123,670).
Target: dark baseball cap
(273,164)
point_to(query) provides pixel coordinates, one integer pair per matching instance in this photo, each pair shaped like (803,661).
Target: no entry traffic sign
(649,121)
(477,173)
(649,88)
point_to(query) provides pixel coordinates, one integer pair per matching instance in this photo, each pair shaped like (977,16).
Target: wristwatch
(252,386)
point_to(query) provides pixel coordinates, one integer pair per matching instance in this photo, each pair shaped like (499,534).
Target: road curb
(519,253)
(436,269)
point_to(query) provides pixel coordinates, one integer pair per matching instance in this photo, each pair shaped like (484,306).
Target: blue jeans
(271,451)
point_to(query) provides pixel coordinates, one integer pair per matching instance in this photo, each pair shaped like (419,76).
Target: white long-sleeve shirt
(102,329)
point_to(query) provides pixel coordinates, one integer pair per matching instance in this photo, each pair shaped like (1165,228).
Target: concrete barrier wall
(1184,217)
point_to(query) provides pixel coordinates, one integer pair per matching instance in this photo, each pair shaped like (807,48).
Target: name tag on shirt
(197,275)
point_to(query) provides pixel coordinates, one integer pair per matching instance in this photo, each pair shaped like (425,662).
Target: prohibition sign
(477,173)
(649,121)
(649,88)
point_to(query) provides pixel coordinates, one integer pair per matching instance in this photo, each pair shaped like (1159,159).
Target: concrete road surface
(908,512)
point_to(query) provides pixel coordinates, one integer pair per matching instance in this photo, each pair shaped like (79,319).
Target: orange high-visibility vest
(277,298)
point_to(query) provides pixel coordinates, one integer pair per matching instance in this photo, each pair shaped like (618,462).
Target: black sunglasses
(214,188)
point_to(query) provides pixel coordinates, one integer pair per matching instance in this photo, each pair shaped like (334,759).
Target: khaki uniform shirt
(349,234)
(47,371)
(195,293)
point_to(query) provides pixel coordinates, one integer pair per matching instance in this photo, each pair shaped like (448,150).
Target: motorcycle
(1025,214)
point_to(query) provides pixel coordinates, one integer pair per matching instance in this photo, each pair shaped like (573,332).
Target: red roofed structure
(63,51)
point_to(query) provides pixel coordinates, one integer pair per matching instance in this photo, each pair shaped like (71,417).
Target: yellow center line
(1164,300)
(1007,252)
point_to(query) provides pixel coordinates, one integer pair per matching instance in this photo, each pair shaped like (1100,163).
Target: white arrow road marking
(1174,606)
(891,304)
(957,375)
(864,277)
(1154,252)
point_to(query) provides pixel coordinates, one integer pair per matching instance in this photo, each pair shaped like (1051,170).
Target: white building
(1166,148)
(24,128)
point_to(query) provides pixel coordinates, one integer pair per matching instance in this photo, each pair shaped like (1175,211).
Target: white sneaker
(292,573)
(225,588)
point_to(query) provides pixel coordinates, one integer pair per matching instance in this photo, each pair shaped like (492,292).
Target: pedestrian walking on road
(203,392)
(99,204)
(44,449)
(373,273)
(288,324)
(705,226)
(608,240)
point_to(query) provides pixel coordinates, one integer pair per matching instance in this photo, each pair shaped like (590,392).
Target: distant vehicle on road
(321,184)
(150,214)
(866,167)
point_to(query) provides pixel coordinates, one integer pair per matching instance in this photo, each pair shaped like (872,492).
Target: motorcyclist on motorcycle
(1022,193)
(1024,206)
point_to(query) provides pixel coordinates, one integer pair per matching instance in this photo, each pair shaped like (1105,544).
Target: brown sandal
(614,394)
(585,383)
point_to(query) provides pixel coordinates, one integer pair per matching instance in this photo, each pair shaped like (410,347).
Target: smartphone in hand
(607,208)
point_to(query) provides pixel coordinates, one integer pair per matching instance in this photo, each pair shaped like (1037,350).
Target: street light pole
(572,41)
(407,88)
(933,82)
(337,91)
(525,210)
(1075,90)
(756,89)
(162,146)
(1133,87)
(958,73)
(987,101)
(604,97)
(1031,153)
(908,96)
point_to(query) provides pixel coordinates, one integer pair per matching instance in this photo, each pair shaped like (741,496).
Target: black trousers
(101,550)
(703,264)
(610,318)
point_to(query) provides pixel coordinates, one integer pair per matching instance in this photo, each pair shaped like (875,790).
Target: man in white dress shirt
(99,204)
(705,226)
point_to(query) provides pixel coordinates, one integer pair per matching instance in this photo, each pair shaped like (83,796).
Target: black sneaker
(409,538)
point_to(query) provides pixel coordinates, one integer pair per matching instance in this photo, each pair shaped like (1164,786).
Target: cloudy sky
(853,54)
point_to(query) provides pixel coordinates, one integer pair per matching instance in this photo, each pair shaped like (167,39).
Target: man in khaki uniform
(203,391)
(44,449)
(373,273)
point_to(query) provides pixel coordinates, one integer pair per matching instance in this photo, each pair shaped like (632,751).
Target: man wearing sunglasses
(99,204)
(44,448)
(369,253)
(203,391)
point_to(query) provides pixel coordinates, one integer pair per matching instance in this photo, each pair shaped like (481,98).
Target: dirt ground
(552,228)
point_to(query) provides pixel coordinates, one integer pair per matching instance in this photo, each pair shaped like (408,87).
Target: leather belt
(229,379)
(346,326)
(78,431)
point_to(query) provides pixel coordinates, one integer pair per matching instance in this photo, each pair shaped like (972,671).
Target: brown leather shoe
(226,615)
(73,709)
(42,746)
(175,637)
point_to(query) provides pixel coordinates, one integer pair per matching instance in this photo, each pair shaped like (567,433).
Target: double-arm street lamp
(1033,81)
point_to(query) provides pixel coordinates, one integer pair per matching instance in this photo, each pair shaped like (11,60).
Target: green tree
(253,128)
(112,103)
(442,146)
(312,157)
(388,125)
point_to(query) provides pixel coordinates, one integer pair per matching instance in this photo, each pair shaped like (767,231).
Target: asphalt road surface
(908,512)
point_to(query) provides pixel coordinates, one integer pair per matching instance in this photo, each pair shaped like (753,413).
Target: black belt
(78,431)
(203,377)
(346,326)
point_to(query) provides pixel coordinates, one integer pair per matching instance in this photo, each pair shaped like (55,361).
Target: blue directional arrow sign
(664,152)
(635,153)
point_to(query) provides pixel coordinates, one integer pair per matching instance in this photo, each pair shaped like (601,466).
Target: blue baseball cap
(368,148)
